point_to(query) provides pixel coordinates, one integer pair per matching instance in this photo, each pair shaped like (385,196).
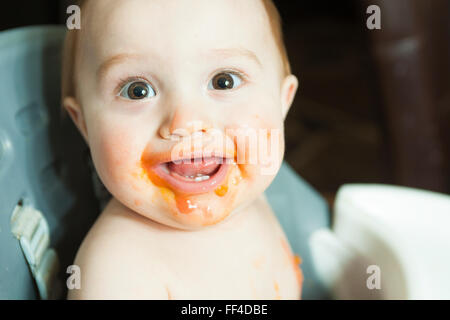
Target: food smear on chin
(185,205)
(221,191)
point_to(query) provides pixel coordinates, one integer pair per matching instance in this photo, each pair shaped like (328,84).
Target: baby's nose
(184,123)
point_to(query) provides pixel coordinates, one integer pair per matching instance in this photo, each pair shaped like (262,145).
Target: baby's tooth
(198,177)
(201,178)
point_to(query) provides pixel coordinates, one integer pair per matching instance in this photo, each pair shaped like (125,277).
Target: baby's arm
(115,263)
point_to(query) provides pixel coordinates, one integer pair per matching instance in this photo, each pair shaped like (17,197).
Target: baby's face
(182,104)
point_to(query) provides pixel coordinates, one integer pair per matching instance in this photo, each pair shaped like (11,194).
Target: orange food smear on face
(221,191)
(185,205)
(167,194)
(183,202)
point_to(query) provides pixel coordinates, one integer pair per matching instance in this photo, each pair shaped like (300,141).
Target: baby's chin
(188,213)
(194,211)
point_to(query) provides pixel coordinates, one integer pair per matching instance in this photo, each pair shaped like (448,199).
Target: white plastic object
(403,231)
(31,229)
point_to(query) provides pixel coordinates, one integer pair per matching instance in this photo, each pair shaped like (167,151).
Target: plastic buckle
(31,229)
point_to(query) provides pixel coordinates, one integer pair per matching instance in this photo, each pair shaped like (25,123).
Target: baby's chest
(251,267)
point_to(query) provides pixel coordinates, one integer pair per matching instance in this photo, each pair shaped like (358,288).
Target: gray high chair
(47,198)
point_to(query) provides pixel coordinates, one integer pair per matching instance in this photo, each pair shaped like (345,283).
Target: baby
(181,102)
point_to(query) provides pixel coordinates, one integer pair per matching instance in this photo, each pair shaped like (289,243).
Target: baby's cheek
(114,156)
(259,144)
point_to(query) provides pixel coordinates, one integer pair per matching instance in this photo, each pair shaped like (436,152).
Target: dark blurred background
(373,105)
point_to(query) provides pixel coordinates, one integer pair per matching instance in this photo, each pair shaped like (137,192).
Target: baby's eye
(137,90)
(225,81)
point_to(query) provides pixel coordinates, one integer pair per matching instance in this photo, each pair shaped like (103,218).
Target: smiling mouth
(194,176)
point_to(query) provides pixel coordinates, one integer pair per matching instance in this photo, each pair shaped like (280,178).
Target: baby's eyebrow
(223,53)
(231,52)
(114,60)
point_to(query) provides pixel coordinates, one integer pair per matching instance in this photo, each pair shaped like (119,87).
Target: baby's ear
(288,90)
(73,108)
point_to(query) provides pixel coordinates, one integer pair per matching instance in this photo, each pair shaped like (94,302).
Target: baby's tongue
(204,167)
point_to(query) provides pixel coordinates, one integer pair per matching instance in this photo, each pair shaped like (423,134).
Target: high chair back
(44,176)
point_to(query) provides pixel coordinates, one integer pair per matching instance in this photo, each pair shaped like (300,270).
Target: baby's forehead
(175,28)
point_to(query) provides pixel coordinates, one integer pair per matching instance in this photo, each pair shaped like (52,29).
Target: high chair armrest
(401,232)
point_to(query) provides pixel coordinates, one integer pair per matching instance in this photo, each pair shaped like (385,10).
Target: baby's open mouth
(193,176)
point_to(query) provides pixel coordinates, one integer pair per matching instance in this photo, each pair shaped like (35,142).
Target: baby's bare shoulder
(117,260)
